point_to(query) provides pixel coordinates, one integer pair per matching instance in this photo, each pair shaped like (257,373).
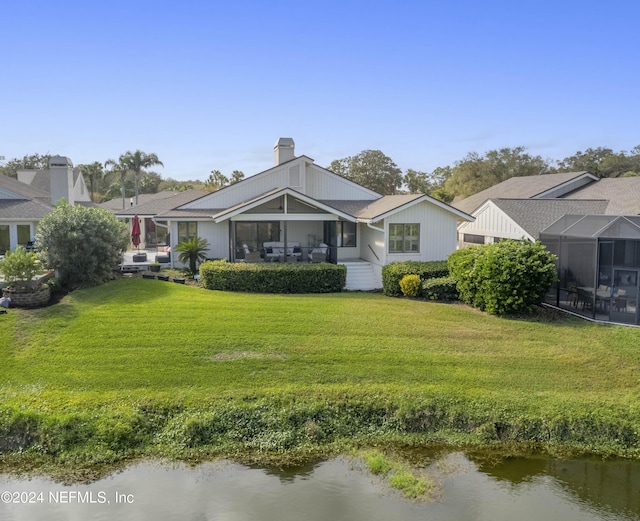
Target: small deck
(134,260)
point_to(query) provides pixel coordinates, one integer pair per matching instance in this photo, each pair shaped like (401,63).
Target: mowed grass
(134,339)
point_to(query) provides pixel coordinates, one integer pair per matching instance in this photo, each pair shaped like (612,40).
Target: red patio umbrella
(135,232)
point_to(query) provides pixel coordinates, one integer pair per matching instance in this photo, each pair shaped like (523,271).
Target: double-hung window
(187,230)
(404,238)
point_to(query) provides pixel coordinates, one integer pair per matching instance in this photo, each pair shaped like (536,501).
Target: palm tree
(95,172)
(138,162)
(120,170)
(191,251)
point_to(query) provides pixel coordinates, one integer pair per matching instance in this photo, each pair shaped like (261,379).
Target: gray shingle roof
(28,209)
(164,204)
(534,215)
(623,194)
(115,204)
(22,189)
(374,208)
(524,187)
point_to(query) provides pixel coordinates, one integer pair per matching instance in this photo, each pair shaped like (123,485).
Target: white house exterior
(304,206)
(26,200)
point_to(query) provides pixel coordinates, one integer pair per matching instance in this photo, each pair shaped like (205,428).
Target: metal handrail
(374,253)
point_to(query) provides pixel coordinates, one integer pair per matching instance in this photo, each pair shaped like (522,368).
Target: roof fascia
(572,180)
(423,198)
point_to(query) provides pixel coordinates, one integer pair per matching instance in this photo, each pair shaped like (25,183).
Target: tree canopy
(475,172)
(371,169)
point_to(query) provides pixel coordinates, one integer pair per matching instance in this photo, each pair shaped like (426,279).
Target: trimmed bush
(392,274)
(273,278)
(410,285)
(443,288)
(504,277)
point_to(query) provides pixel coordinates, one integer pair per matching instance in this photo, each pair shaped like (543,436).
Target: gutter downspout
(375,227)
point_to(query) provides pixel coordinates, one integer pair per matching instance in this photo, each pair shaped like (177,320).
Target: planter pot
(28,298)
(155,269)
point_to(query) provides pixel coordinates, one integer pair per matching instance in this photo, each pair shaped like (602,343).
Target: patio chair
(573,295)
(620,302)
(251,256)
(319,253)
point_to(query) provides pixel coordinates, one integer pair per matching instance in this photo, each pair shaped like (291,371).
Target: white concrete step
(361,276)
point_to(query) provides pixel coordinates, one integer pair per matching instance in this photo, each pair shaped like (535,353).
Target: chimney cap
(60,161)
(286,142)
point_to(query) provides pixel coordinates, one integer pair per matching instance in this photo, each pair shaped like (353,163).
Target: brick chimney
(284,150)
(61,179)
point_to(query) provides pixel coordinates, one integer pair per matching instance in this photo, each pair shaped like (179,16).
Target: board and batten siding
(216,234)
(492,222)
(252,187)
(369,237)
(323,184)
(438,232)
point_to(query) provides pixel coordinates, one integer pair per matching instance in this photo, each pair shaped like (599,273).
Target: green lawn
(134,345)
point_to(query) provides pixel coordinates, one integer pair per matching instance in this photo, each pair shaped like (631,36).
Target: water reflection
(523,489)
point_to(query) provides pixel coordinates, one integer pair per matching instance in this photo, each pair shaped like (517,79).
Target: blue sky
(212,85)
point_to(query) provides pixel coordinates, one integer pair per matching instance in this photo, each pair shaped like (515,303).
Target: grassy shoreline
(145,369)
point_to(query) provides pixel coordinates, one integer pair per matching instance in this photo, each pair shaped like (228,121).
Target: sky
(212,85)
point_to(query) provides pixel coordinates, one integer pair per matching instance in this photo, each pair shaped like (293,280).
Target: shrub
(273,278)
(443,288)
(410,285)
(83,244)
(392,274)
(504,277)
(19,266)
(191,251)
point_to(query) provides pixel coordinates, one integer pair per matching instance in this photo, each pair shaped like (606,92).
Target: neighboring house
(500,215)
(120,203)
(22,204)
(592,226)
(297,207)
(78,193)
(155,230)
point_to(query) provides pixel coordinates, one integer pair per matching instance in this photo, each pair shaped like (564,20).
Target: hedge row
(273,277)
(393,273)
(443,288)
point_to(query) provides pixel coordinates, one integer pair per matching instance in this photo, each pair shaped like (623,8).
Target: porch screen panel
(255,234)
(24,234)
(4,239)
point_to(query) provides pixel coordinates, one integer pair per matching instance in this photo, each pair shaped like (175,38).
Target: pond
(339,489)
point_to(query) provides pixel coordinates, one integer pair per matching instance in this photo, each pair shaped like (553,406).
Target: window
(473,239)
(187,230)
(24,234)
(404,238)
(346,234)
(254,234)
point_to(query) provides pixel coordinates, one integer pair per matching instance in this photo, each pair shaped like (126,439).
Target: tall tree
(475,172)
(28,162)
(216,181)
(138,162)
(371,169)
(417,182)
(590,160)
(236,176)
(120,171)
(95,172)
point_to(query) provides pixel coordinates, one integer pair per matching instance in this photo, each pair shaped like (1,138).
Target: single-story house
(592,226)
(297,208)
(26,200)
